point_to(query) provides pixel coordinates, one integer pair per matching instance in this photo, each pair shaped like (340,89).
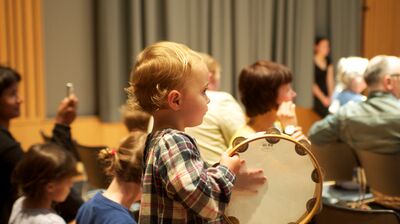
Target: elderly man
(373,124)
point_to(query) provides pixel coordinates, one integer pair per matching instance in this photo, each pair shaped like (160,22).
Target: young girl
(45,175)
(125,165)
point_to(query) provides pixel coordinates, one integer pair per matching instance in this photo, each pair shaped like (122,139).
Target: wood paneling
(21,48)
(381,27)
(306,118)
(86,130)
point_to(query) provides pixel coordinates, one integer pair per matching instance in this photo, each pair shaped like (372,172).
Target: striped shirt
(178,186)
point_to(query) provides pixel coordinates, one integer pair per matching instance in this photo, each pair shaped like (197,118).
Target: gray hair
(349,69)
(379,66)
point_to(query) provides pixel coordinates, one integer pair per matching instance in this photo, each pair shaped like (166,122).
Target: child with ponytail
(125,166)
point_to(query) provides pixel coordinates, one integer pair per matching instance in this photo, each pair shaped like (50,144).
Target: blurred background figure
(350,82)
(10,149)
(223,118)
(125,166)
(135,120)
(45,176)
(323,77)
(266,93)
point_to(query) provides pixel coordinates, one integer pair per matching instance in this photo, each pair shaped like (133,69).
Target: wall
(381,27)
(69,53)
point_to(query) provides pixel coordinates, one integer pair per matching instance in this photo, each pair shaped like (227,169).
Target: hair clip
(113,151)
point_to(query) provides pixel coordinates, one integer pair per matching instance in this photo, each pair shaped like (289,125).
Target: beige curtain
(341,22)
(236,32)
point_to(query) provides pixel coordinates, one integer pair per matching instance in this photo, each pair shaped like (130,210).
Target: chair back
(93,167)
(382,171)
(334,214)
(337,161)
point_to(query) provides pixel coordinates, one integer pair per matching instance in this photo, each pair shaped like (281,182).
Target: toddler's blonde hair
(160,68)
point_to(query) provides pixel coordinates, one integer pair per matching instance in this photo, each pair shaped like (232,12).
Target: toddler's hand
(249,179)
(233,163)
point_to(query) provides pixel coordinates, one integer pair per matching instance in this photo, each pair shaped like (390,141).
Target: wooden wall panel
(87,130)
(21,48)
(381,27)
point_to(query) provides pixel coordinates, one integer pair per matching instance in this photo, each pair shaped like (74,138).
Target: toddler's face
(194,99)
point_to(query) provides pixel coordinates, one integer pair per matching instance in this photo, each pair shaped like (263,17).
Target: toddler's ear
(174,99)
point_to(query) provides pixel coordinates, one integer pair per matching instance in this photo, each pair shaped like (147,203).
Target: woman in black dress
(323,77)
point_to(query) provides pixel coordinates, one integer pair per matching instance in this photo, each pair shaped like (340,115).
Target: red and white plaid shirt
(178,186)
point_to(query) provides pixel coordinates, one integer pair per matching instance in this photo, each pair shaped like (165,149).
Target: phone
(70,89)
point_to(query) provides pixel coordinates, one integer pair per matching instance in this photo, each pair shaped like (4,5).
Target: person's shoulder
(96,201)
(175,134)
(51,218)
(175,137)
(9,148)
(6,139)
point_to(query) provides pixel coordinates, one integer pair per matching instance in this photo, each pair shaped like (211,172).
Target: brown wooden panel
(22,49)
(381,27)
(87,130)
(3,33)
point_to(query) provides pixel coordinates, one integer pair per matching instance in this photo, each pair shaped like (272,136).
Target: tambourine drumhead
(293,190)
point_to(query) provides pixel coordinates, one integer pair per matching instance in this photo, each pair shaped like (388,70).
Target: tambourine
(292,193)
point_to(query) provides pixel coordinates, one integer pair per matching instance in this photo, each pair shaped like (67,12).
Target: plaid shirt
(178,186)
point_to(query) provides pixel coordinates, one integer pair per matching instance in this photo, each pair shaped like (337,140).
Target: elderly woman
(351,82)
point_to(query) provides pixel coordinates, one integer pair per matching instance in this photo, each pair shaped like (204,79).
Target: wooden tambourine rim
(318,191)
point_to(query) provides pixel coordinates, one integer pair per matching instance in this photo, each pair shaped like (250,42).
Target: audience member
(223,118)
(125,166)
(266,93)
(372,125)
(350,82)
(10,150)
(135,120)
(323,77)
(45,175)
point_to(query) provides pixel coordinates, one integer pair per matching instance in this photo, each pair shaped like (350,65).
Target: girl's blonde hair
(159,68)
(125,163)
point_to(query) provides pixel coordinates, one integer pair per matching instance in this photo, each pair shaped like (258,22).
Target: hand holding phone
(70,89)
(67,110)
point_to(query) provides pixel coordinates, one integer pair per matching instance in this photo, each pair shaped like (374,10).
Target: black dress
(11,153)
(320,77)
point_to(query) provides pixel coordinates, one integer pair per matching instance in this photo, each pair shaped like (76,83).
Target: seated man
(373,124)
